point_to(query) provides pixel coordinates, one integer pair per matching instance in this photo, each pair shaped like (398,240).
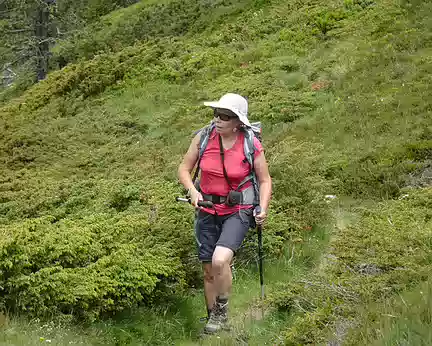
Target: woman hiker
(221,229)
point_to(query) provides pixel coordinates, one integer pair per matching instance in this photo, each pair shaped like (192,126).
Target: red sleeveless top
(213,181)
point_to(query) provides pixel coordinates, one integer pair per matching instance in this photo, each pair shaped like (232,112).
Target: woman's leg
(209,287)
(234,229)
(207,234)
(221,268)
(221,288)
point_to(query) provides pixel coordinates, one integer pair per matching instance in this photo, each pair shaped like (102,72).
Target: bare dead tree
(42,34)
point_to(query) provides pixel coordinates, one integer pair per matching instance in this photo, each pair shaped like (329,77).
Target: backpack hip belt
(247,197)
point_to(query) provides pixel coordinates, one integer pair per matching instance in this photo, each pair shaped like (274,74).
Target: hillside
(28,29)
(343,88)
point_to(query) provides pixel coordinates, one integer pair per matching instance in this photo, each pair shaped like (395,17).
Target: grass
(405,319)
(20,331)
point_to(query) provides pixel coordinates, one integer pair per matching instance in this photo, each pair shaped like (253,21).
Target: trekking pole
(204,204)
(260,258)
(260,253)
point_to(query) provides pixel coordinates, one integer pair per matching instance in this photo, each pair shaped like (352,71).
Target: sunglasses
(224,116)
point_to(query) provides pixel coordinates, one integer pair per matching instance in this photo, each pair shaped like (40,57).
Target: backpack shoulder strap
(249,151)
(204,139)
(249,147)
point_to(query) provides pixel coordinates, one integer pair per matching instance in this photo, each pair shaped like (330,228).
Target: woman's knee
(222,257)
(219,264)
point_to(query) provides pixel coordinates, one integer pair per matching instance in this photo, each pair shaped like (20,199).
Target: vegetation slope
(87,213)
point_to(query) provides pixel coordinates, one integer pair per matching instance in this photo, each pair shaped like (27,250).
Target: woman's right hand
(195,197)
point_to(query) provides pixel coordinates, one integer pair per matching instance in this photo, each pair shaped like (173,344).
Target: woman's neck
(229,136)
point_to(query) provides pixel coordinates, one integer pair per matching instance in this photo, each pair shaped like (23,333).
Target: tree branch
(18,30)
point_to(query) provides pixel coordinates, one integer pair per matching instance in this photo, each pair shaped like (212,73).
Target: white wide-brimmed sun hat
(235,103)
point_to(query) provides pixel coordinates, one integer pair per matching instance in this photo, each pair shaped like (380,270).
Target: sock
(222,299)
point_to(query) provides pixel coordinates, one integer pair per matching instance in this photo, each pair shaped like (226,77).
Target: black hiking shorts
(226,230)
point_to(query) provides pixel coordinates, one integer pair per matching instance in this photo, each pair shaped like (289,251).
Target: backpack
(249,150)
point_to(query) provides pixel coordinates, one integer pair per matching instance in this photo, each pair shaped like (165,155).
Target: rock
(368,269)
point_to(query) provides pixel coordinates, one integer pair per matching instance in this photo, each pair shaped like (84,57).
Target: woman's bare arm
(188,163)
(265,181)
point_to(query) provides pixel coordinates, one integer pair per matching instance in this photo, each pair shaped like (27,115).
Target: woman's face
(225,121)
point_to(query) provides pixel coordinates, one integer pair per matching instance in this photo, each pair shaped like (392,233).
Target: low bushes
(142,21)
(87,268)
(380,174)
(388,250)
(83,79)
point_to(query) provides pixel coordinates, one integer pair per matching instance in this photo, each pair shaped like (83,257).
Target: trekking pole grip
(257,210)
(204,204)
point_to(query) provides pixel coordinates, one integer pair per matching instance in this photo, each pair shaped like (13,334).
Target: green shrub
(388,250)
(122,197)
(420,151)
(141,22)
(326,21)
(73,14)
(84,79)
(379,174)
(85,268)
(394,236)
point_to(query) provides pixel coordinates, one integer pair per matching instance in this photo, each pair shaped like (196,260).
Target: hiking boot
(218,317)
(205,319)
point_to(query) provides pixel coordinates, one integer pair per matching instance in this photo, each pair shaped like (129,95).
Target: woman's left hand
(261,216)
